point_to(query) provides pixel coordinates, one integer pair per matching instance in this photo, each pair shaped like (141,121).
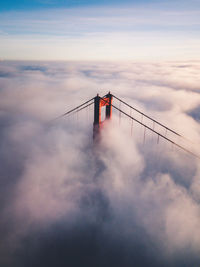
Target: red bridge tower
(99,102)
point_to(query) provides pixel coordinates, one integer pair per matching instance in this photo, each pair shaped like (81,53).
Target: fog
(124,202)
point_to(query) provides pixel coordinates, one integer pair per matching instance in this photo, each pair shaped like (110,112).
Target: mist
(125,202)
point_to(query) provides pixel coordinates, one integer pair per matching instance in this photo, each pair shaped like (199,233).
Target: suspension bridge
(161,131)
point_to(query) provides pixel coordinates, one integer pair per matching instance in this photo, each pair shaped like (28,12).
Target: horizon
(88,30)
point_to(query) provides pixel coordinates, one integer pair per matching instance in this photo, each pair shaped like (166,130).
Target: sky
(100,30)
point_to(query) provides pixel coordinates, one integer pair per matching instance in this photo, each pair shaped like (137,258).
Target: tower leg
(98,103)
(97,117)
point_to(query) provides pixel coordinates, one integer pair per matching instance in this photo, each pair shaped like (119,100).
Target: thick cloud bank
(125,202)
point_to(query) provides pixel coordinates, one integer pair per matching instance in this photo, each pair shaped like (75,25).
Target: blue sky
(38,4)
(100,30)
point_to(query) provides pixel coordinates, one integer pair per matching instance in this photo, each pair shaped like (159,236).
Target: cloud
(65,201)
(33,68)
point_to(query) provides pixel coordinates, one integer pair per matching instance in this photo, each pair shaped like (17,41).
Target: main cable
(154,131)
(85,107)
(155,121)
(159,134)
(74,109)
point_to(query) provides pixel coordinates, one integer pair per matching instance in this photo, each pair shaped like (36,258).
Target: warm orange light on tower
(100,102)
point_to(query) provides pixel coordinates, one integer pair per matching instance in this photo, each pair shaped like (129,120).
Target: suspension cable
(78,108)
(154,131)
(155,121)
(159,134)
(84,107)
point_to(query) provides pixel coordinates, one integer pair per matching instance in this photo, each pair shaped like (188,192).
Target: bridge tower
(99,102)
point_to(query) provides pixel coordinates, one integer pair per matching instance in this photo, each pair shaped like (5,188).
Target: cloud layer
(128,201)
